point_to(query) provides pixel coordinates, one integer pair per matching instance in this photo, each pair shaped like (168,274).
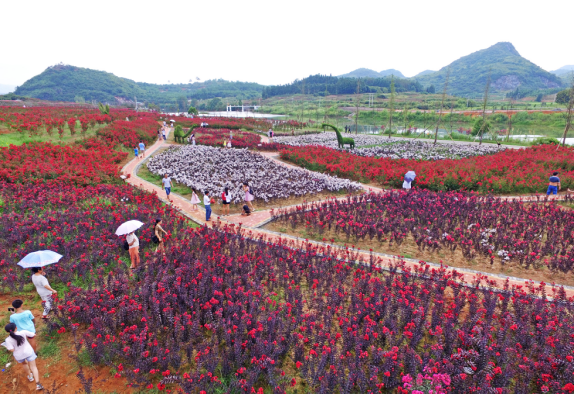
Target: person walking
(207,203)
(158,230)
(134,249)
(18,344)
(194,200)
(226,199)
(163,133)
(24,320)
(554,184)
(409,178)
(43,288)
(136,152)
(167,185)
(142,149)
(248,195)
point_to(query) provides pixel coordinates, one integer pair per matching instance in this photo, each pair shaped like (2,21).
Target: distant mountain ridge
(368,73)
(508,71)
(425,72)
(563,70)
(70,83)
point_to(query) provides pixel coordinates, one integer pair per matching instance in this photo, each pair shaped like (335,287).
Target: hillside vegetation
(368,73)
(509,71)
(70,83)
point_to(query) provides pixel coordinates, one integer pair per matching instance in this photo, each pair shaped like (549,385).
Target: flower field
(77,222)
(223,123)
(418,150)
(207,168)
(510,171)
(329,139)
(531,236)
(225,313)
(241,139)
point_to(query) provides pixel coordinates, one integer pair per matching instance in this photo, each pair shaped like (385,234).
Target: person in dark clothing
(246,210)
(554,184)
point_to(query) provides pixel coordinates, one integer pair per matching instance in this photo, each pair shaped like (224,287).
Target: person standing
(226,199)
(142,149)
(554,184)
(193,140)
(207,203)
(163,133)
(248,195)
(167,185)
(194,200)
(158,230)
(24,320)
(134,249)
(23,352)
(43,288)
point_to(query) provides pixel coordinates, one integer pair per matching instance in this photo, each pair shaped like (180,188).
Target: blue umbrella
(40,258)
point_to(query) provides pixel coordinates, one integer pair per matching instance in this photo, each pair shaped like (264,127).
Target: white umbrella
(129,227)
(411,175)
(40,258)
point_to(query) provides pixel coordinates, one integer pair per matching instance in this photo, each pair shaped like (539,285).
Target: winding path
(250,227)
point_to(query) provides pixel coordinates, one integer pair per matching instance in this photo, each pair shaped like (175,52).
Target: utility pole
(441,105)
(392,105)
(569,110)
(357,106)
(484,107)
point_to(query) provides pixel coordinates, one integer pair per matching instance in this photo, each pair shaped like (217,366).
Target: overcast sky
(272,42)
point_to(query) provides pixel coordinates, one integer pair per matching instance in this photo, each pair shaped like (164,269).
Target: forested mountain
(563,70)
(70,83)
(509,71)
(425,72)
(324,85)
(368,73)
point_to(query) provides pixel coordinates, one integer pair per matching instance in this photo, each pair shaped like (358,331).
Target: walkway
(248,226)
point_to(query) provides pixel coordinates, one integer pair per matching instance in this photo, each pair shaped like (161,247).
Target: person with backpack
(248,195)
(158,238)
(18,344)
(226,199)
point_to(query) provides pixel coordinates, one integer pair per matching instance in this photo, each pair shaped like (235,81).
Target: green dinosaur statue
(184,136)
(341,141)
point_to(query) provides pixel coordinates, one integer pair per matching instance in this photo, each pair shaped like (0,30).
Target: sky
(271,42)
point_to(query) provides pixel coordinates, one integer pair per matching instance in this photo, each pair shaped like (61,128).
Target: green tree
(181,103)
(431,89)
(192,110)
(214,104)
(478,125)
(563,97)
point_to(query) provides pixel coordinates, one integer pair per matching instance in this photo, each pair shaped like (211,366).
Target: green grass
(49,346)
(17,138)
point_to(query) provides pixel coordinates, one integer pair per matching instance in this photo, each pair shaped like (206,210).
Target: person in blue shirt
(136,152)
(142,148)
(24,320)
(554,184)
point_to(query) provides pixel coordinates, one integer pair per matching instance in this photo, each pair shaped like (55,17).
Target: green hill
(70,83)
(509,71)
(368,73)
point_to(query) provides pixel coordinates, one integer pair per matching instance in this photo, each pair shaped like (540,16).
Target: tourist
(293,132)
(24,320)
(142,149)
(554,184)
(167,185)
(136,152)
(163,134)
(270,135)
(207,203)
(158,230)
(194,200)
(248,195)
(226,199)
(43,288)
(134,249)
(193,139)
(409,178)
(159,133)
(225,143)
(229,144)
(246,211)
(230,135)
(23,352)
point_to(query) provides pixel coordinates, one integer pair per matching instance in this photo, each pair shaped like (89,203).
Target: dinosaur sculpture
(184,137)
(340,139)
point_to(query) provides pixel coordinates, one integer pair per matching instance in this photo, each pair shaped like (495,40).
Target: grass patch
(17,138)
(49,345)
(154,179)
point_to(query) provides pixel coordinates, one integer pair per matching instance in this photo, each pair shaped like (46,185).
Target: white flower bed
(393,148)
(329,139)
(207,168)
(418,150)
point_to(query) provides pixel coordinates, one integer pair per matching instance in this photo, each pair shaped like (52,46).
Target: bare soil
(409,249)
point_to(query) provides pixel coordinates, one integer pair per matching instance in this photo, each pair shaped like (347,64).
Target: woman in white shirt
(43,288)
(23,352)
(134,244)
